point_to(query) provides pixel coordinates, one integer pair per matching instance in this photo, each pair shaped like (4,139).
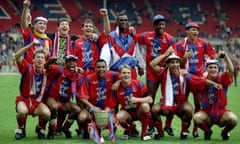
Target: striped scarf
(44,40)
(57,45)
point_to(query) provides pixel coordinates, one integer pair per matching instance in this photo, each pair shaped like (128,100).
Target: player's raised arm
(26,16)
(106,22)
(21,52)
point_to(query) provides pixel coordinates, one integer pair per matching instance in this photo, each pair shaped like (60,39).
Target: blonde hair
(124,66)
(37,51)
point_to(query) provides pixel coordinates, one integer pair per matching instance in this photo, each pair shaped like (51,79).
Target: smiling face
(159,27)
(122,22)
(125,75)
(192,33)
(212,70)
(87,28)
(40,26)
(101,68)
(63,28)
(174,66)
(71,64)
(39,59)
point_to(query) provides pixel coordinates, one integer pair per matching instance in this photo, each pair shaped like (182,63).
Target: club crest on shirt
(87,56)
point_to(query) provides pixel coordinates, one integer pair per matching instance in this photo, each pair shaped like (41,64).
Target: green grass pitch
(9,89)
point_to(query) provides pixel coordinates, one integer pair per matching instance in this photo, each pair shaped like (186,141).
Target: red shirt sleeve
(111,101)
(84,89)
(26,33)
(23,66)
(102,39)
(226,79)
(211,51)
(196,82)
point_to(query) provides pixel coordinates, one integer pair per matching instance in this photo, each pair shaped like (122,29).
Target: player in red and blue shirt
(122,48)
(135,101)
(214,101)
(88,47)
(194,51)
(38,32)
(97,86)
(157,43)
(62,88)
(96,89)
(32,87)
(173,88)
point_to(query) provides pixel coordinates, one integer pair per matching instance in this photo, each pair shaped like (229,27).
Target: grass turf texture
(9,89)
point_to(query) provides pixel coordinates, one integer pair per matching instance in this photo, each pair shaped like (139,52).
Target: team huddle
(67,78)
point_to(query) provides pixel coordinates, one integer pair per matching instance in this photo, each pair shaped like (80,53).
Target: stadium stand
(218,19)
(208,14)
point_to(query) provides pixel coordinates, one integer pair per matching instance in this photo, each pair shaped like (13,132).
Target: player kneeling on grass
(173,87)
(135,102)
(62,92)
(214,101)
(94,92)
(32,87)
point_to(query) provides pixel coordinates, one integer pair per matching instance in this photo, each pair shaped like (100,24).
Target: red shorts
(153,76)
(219,115)
(30,103)
(133,113)
(174,108)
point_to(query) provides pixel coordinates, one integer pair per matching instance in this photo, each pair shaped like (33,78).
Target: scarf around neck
(33,84)
(74,78)
(168,92)
(56,44)
(44,39)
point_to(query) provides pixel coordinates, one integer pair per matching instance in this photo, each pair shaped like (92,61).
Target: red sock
(169,121)
(228,128)
(145,116)
(151,123)
(195,128)
(42,123)
(185,126)
(125,126)
(53,124)
(204,127)
(68,124)
(158,125)
(80,125)
(60,120)
(21,122)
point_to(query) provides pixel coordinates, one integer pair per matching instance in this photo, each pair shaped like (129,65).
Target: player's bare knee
(197,118)
(233,119)
(22,109)
(43,111)
(75,109)
(145,107)
(187,107)
(155,109)
(122,116)
(83,116)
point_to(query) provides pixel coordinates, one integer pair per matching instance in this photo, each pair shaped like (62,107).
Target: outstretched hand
(217,86)
(169,51)
(140,71)
(188,54)
(36,42)
(26,3)
(103,11)
(79,70)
